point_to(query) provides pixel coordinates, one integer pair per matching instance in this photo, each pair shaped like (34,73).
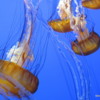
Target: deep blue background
(55,81)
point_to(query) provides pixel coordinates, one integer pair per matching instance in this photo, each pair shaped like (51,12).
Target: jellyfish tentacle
(83,80)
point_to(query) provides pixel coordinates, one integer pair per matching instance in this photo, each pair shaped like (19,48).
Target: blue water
(62,74)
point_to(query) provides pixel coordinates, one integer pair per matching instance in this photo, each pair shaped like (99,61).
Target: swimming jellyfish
(14,79)
(86,41)
(63,24)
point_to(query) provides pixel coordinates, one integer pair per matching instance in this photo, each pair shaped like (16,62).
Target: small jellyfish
(14,79)
(92,4)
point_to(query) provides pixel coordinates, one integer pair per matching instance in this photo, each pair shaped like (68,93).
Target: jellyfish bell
(86,46)
(92,4)
(61,25)
(15,80)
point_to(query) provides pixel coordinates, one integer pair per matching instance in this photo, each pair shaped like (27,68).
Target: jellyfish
(92,4)
(86,41)
(61,25)
(15,80)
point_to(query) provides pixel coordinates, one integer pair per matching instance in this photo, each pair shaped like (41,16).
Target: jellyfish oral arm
(64,10)
(77,23)
(19,52)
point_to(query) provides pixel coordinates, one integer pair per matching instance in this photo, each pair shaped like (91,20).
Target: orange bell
(86,46)
(92,4)
(16,81)
(61,25)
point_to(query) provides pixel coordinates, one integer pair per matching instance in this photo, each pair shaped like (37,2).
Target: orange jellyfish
(92,4)
(86,46)
(61,25)
(14,79)
(86,42)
